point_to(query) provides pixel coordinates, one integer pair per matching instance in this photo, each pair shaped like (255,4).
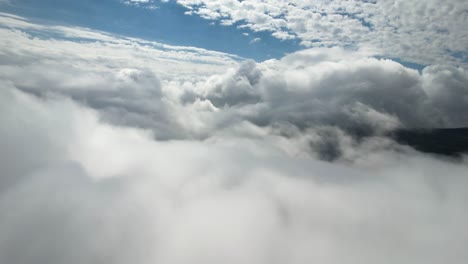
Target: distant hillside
(451,142)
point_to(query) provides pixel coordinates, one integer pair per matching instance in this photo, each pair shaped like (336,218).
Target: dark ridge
(449,141)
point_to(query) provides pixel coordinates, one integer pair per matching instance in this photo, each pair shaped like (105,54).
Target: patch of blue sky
(166,24)
(357,16)
(412,65)
(461,56)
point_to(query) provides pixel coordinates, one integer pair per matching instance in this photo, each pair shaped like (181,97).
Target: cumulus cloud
(327,88)
(426,32)
(447,87)
(152,154)
(183,92)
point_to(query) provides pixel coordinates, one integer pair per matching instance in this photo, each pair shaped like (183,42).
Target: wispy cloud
(150,4)
(255,40)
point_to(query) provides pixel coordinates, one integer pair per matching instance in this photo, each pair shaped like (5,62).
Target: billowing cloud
(182,92)
(77,190)
(116,150)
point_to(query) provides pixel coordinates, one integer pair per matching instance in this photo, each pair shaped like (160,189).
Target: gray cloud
(447,88)
(362,97)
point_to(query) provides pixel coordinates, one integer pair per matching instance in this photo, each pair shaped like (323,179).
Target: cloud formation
(75,189)
(140,155)
(183,92)
(425,32)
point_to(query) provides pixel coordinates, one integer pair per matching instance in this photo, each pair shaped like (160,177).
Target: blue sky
(166,24)
(261,30)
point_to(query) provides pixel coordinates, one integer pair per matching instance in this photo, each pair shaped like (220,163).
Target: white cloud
(97,192)
(255,40)
(425,32)
(141,3)
(176,59)
(119,150)
(190,91)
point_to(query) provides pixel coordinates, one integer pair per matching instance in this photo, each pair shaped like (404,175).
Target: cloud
(101,193)
(395,28)
(178,60)
(255,40)
(147,153)
(326,87)
(150,4)
(447,87)
(186,92)
(123,81)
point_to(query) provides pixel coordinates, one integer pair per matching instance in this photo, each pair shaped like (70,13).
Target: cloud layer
(117,150)
(77,190)
(425,32)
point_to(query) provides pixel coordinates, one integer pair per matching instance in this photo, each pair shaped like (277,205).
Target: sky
(193,131)
(164,22)
(418,32)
